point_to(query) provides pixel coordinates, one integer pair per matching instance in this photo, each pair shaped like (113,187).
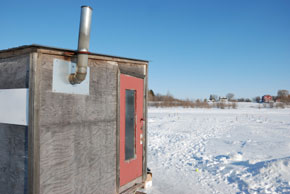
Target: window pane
(130,125)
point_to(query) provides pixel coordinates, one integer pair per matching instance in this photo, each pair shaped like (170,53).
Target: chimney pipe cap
(87,7)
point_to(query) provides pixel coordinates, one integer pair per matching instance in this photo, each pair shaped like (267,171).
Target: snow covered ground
(244,150)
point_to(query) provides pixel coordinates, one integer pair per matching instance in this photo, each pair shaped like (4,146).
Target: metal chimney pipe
(83,46)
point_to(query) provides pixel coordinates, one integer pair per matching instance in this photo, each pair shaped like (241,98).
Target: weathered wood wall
(73,139)
(13,160)
(78,133)
(14,73)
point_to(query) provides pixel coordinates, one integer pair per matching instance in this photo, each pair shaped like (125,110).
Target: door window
(130,125)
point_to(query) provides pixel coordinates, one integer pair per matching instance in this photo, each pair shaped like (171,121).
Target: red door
(131,120)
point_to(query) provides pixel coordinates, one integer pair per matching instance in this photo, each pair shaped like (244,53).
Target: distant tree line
(159,100)
(229,101)
(229,97)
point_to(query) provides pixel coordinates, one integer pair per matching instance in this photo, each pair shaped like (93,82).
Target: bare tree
(282,93)
(213,97)
(151,95)
(241,100)
(230,96)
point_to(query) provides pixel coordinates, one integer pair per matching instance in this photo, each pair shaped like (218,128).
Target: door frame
(120,189)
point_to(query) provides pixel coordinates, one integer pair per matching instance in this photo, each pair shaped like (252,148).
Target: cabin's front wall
(77,132)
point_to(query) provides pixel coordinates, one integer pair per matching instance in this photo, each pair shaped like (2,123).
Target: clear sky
(195,47)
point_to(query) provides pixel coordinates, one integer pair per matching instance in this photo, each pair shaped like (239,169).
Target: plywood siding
(132,69)
(14,72)
(73,139)
(78,133)
(13,160)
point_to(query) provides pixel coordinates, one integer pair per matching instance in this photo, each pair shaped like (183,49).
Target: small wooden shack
(58,138)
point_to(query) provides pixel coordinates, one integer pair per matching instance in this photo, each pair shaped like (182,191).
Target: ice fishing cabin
(58,136)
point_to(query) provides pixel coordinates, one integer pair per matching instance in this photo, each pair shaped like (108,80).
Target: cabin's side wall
(78,132)
(14,74)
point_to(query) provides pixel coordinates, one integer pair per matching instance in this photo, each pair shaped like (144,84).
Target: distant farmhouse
(223,99)
(267,98)
(215,98)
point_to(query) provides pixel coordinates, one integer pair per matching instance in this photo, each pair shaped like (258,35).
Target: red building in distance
(267,98)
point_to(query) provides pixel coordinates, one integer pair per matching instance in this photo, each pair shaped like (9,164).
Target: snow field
(244,150)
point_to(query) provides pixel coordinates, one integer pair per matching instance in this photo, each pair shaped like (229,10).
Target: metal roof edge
(69,50)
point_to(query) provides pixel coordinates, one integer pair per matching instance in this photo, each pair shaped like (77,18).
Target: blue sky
(195,47)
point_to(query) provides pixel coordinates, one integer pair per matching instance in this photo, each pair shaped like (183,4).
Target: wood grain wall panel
(13,160)
(132,69)
(72,138)
(78,133)
(14,72)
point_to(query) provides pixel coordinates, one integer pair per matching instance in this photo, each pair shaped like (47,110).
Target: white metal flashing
(14,106)
(60,83)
